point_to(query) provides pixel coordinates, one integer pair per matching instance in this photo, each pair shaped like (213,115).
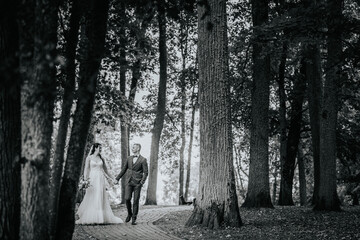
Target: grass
(278,223)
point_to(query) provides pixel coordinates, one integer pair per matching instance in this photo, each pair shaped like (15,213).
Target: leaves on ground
(278,223)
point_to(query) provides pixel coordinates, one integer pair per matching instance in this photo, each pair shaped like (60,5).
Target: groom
(137,172)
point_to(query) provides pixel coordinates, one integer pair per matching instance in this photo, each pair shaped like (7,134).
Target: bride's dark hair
(95,145)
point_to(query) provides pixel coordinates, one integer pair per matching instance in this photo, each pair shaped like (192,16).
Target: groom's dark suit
(137,173)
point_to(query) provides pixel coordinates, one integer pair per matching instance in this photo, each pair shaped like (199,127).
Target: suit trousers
(131,188)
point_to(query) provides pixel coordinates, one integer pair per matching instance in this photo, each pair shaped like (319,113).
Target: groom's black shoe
(133,222)
(128,218)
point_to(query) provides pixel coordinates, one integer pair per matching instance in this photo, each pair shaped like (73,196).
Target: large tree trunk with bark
(160,113)
(68,97)
(10,124)
(314,92)
(91,52)
(328,198)
(217,204)
(288,167)
(258,194)
(38,94)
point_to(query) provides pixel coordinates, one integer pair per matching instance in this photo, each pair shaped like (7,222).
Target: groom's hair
(138,144)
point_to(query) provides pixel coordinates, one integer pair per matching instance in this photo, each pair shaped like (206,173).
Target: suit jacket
(137,171)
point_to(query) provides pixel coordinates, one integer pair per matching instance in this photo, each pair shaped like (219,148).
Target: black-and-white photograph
(179,119)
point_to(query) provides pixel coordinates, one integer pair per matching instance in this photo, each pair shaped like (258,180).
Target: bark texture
(258,194)
(216,204)
(10,123)
(38,53)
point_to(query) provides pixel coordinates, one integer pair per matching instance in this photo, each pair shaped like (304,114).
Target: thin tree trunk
(237,171)
(258,194)
(192,124)
(160,113)
(282,108)
(184,53)
(274,184)
(287,171)
(328,198)
(92,48)
(123,121)
(10,125)
(90,140)
(38,94)
(68,97)
(217,203)
(302,176)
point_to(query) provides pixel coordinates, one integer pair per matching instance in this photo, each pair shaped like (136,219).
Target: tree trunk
(10,125)
(258,194)
(314,82)
(123,120)
(287,171)
(238,169)
(92,48)
(328,198)
(184,52)
(68,97)
(217,203)
(160,113)
(282,109)
(38,94)
(302,176)
(90,140)
(188,166)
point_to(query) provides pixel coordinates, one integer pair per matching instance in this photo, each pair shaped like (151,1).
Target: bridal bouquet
(84,183)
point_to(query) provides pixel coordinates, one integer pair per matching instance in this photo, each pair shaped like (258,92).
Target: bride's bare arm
(106,170)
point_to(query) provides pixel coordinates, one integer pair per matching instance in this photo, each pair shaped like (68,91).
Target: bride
(95,207)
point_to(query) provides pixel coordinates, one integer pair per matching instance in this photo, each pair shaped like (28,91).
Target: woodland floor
(278,223)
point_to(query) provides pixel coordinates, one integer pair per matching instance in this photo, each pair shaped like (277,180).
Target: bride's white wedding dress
(95,207)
